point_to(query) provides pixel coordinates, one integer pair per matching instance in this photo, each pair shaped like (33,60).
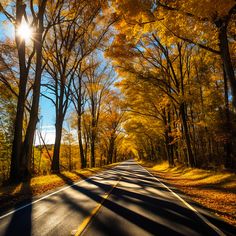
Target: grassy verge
(215,191)
(13,194)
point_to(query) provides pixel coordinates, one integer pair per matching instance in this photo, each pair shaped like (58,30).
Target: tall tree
(98,79)
(22,147)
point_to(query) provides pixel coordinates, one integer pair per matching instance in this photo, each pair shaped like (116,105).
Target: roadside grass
(215,191)
(13,194)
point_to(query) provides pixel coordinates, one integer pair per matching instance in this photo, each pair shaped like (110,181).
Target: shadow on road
(21,221)
(138,201)
(174,217)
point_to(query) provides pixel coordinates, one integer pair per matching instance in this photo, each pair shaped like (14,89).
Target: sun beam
(24,31)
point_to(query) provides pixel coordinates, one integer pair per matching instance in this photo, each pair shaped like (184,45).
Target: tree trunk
(55,167)
(86,147)
(60,115)
(18,126)
(191,160)
(93,136)
(228,145)
(114,160)
(92,151)
(111,149)
(169,148)
(194,137)
(26,157)
(81,148)
(225,56)
(170,139)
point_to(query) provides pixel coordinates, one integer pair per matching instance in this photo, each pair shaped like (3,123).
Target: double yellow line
(94,212)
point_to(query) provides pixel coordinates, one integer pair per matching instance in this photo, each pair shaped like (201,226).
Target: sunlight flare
(24,31)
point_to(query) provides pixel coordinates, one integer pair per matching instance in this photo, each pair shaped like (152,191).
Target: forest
(146,79)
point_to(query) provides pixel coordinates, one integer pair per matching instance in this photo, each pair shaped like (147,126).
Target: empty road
(125,200)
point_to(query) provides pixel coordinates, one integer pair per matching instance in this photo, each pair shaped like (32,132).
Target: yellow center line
(94,212)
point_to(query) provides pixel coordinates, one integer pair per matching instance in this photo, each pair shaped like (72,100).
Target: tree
(22,148)
(98,80)
(112,118)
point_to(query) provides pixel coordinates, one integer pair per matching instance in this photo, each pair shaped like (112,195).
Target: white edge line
(203,218)
(33,202)
(49,195)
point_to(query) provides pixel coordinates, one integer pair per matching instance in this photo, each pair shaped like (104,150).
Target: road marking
(94,212)
(51,194)
(203,218)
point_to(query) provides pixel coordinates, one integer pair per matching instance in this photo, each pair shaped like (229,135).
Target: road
(125,200)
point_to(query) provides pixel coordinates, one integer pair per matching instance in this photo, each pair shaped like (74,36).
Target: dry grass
(12,194)
(215,191)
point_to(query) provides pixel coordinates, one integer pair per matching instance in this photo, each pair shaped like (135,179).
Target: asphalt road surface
(125,200)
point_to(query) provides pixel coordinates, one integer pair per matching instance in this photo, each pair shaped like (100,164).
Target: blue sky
(47,120)
(6,30)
